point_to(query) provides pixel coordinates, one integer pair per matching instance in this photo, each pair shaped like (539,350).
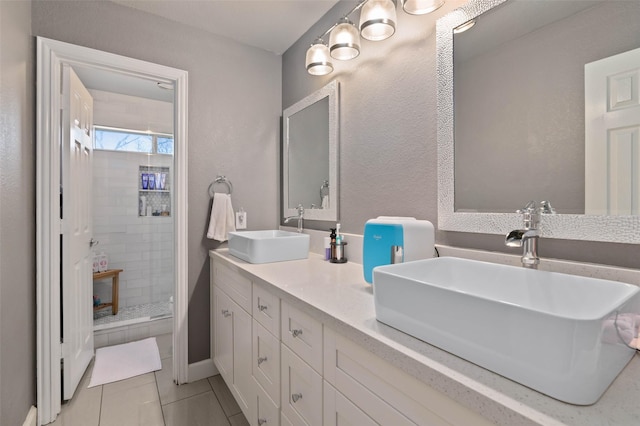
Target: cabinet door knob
(225,313)
(262,308)
(262,359)
(296,396)
(261,422)
(296,333)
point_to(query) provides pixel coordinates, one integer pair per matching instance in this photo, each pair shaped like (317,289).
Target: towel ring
(220,179)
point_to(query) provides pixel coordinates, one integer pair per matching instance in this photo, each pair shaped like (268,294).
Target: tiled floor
(152,400)
(144,312)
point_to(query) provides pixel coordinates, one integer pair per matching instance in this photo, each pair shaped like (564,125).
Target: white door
(77,231)
(612,135)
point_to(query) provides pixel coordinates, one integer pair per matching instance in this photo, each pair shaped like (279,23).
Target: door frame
(50,55)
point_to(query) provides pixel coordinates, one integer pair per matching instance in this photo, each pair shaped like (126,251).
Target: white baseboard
(201,370)
(32,417)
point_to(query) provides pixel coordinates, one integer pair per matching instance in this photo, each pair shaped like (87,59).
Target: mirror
(533,129)
(310,155)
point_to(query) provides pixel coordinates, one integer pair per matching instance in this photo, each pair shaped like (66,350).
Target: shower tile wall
(141,246)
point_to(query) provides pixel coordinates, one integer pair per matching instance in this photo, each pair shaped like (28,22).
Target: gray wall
(234,118)
(17,214)
(388,144)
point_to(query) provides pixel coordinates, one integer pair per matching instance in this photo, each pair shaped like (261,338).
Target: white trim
(50,55)
(181,298)
(202,369)
(32,417)
(620,229)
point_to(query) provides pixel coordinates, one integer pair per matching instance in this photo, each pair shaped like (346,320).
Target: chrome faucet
(300,218)
(528,237)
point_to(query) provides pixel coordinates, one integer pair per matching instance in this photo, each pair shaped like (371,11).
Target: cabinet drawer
(266,309)
(266,361)
(235,285)
(301,390)
(386,393)
(267,412)
(339,411)
(303,335)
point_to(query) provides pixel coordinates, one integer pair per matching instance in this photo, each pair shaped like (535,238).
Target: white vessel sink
(268,246)
(562,335)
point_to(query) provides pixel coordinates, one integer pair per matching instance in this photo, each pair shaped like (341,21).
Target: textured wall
(234,118)
(388,143)
(17,214)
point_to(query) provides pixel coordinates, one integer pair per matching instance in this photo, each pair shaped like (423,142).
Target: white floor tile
(201,410)
(131,402)
(83,409)
(238,420)
(170,392)
(228,402)
(165,345)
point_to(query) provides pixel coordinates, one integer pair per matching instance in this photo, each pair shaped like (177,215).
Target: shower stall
(132,217)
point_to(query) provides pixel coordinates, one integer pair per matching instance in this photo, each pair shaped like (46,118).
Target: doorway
(52,57)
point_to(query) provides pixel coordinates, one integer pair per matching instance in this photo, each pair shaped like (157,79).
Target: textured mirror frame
(331,91)
(620,229)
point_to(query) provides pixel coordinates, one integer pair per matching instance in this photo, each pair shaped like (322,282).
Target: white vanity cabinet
(286,367)
(232,333)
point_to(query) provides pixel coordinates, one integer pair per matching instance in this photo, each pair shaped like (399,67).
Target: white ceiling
(272,25)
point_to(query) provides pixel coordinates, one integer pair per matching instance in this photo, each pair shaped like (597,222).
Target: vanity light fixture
(378,19)
(464,27)
(421,7)
(318,59)
(344,42)
(377,22)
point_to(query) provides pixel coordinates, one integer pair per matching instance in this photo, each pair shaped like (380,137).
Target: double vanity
(298,342)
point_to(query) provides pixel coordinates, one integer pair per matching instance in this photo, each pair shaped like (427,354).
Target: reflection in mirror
(519,104)
(522,117)
(310,171)
(309,155)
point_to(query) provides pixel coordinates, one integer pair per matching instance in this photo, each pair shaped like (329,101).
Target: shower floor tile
(133,314)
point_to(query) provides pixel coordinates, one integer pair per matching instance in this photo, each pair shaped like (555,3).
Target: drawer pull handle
(296,396)
(262,308)
(261,422)
(262,359)
(296,333)
(225,313)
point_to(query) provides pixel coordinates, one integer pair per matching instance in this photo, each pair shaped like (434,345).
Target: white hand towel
(222,218)
(325,202)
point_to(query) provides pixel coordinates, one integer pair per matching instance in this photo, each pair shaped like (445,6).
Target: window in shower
(115,139)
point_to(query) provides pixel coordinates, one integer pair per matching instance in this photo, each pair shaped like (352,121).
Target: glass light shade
(344,42)
(378,19)
(318,59)
(421,7)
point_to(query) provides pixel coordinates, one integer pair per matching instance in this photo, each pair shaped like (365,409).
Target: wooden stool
(114,275)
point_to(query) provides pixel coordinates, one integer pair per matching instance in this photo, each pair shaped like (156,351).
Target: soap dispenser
(332,236)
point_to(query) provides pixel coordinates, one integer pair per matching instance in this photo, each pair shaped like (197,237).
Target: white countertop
(337,295)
